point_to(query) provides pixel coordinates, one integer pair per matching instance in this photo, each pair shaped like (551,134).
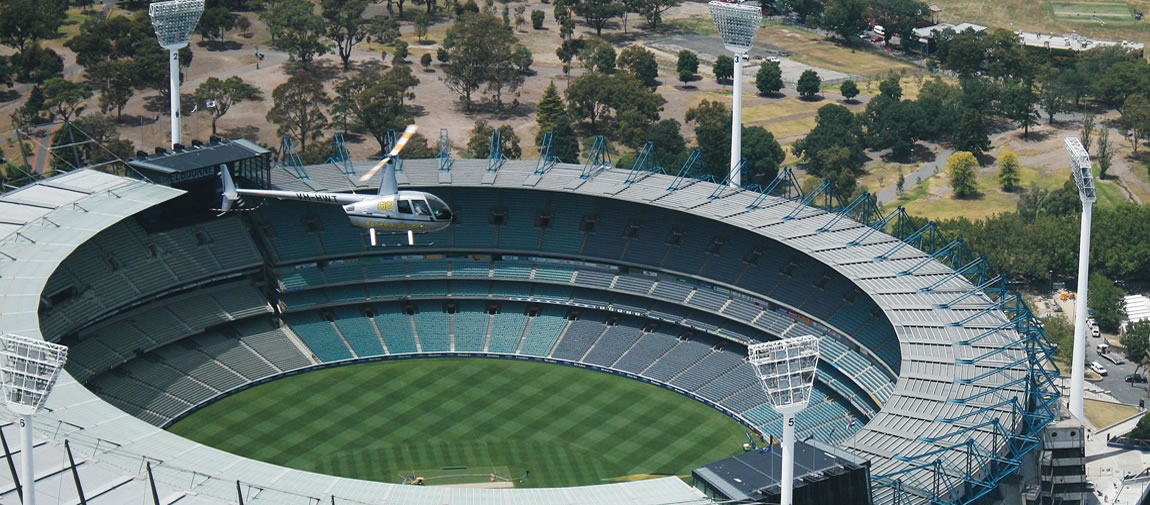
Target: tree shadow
(812,98)
(985,159)
(323,70)
(618,38)
(220,45)
(9,95)
(417,110)
(1037,136)
(425,42)
(251,133)
(773,94)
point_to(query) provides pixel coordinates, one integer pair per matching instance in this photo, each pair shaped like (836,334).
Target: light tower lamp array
(174,22)
(28,370)
(1080,166)
(786,371)
(737,24)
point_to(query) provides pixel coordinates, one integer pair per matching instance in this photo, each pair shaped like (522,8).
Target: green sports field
(390,420)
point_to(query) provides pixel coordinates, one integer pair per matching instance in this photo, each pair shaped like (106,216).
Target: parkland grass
(386,421)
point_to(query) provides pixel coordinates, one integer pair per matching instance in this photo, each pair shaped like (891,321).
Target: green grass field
(383,421)
(1084,11)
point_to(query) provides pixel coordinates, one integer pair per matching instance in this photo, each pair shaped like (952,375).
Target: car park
(1097,368)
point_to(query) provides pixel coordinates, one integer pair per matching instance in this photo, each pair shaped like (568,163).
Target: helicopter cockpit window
(421,207)
(439,209)
(404,206)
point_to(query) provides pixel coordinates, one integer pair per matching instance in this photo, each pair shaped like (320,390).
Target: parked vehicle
(1136,378)
(1097,368)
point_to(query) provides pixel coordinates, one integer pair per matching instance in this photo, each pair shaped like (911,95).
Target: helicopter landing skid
(410,240)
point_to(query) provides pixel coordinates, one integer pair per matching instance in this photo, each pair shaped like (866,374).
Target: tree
(425,60)
(549,112)
(399,57)
(1060,333)
(652,11)
(479,145)
(763,154)
(1052,96)
(809,83)
(641,63)
(1107,301)
(537,18)
(522,58)
(244,25)
(37,64)
(66,98)
(894,124)
(688,63)
(845,17)
(1105,154)
(972,134)
(520,21)
(1005,58)
(849,90)
(769,78)
(670,145)
(1136,118)
(1008,168)
(598,56)
(1017,104)
(114,81)
(965,53)
(29,113)
(1136,341)
(422,22)
(114,38)
(565,143)
(1087,130)
(712,120)
(214,22)
(963,175)
(900,17)
(724,68)
(890,88)
(377,101)
(480,49)
(632,128)
(220,95)
(298,108)
(594,96)
(835,128)
(597,12)
(297,29)
(25,21)
(343,23)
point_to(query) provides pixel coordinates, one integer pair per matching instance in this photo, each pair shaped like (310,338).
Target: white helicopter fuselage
(408,210)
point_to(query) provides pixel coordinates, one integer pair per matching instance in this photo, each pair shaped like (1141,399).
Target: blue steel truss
(598,157)
(546,159)
(340,157)
(726,184)
(950,254)
(785,180)
(643,163)
(685,172)
(444,155)
(861,209)
(878,225)
(826,188)
(495,156)
(289,158)
(987,443)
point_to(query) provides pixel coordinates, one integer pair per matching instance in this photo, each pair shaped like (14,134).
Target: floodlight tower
(1080,166)
(174,22)
(786,371)
(737,22)
(28,369)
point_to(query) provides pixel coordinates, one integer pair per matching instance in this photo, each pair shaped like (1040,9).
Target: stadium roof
(41,224)
(961,357)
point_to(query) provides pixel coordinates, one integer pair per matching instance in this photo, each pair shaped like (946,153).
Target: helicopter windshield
(439,209)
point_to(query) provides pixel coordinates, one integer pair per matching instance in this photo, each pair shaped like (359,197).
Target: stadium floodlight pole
(786,371)
(28,369)
(174,22)
(737,22)
(1080,166)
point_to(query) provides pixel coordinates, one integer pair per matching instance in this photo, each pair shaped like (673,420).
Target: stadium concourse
(940,383)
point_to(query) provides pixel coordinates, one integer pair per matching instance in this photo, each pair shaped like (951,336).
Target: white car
(1094,332)
(774,59)
(1097,368)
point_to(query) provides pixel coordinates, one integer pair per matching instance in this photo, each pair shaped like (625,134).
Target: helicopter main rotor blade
(407,133)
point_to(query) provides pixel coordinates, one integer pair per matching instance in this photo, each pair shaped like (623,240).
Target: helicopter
(389,211)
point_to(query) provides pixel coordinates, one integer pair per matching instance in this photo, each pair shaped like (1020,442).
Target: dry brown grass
(1102,414)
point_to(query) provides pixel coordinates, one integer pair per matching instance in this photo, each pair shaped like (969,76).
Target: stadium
(932,371)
